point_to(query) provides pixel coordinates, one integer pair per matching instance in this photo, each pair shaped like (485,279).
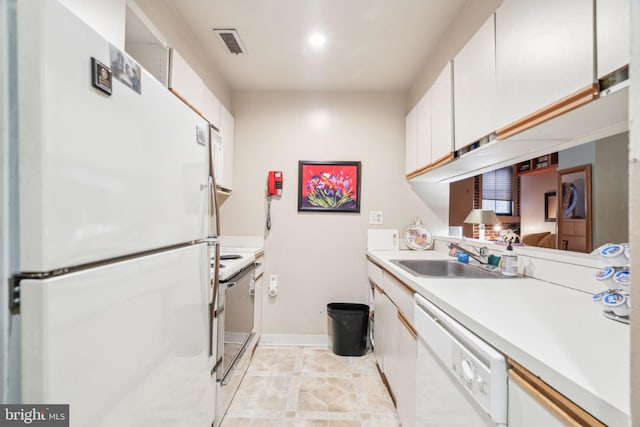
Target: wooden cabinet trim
(379,289)
(403,285)
(189,104)
(433,165)
(571,102)
(405,322)
(563,408)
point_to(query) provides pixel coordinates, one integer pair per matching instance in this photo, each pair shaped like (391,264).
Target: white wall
(319,257)
(532,189)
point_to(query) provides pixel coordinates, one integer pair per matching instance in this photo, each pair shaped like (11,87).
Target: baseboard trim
(295,340)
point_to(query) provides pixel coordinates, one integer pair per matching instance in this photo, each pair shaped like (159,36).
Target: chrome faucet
(477,257)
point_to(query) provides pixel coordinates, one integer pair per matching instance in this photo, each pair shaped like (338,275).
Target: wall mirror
(574,209)
(533,217)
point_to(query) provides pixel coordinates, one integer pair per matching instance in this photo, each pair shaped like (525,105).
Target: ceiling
(371,45)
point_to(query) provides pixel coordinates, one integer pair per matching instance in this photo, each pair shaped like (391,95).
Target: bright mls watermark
(34,415)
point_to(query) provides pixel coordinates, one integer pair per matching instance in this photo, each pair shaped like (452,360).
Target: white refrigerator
(113,232)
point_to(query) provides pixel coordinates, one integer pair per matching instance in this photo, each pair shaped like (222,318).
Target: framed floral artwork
(329,186)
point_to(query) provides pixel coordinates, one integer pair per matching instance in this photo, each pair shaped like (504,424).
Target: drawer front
(400,294)
(375,273)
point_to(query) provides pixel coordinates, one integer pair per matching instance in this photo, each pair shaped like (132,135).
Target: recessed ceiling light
(317,40)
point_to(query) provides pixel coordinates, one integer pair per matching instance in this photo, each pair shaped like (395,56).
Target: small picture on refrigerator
(125,69)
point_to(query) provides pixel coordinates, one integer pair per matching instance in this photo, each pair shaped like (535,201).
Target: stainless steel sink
(447,269)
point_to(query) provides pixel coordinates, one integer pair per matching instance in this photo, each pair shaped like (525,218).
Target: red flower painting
(329,186)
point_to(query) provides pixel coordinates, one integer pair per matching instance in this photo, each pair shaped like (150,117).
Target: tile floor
(310,386)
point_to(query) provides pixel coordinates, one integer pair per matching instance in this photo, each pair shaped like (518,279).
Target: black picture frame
(329,186)
(101,76)
(550,203)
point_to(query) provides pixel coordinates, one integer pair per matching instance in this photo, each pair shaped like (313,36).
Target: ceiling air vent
(231,40)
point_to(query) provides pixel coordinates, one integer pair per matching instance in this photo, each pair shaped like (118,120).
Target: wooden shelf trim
(563,408)
(571,102)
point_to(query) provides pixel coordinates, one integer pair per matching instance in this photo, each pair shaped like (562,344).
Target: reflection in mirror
(535,179)
(574,209)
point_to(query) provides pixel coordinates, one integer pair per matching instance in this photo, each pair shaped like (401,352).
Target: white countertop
(555,332)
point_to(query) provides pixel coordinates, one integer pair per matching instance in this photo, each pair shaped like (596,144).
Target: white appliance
(460,379)
(113,283)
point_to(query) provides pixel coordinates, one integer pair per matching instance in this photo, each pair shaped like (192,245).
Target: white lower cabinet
(381,330)
(527,411)
(395,344)
(533,403)
(405,372)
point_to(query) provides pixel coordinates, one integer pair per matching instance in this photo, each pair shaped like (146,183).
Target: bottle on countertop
(509,261)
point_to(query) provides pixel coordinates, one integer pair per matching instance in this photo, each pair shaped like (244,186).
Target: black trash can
(349,327)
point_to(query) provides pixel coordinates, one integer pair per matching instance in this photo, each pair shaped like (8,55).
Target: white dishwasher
(460,379)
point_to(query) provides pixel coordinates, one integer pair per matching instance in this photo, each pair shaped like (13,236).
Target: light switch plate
(375,217)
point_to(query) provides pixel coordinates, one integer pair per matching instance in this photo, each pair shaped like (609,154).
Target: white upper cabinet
(211,108)
(411,136)
(227,132)
(189,87)
(474,87)
(423,131)
(429,125)
(544,52)
(184,82)
(613,35)
(442,115)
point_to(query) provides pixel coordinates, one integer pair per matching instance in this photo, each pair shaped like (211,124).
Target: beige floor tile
(309,387)
(274,359)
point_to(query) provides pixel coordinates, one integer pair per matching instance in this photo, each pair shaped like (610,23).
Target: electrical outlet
(375,217)
(273,279)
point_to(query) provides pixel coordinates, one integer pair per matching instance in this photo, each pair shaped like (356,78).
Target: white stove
(232,262)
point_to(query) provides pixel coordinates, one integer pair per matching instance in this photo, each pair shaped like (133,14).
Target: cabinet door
(410,141)
(441,94)
(544,52)
(227,132)
(185,83)
(211,108)
(474,87)
(423,134)
(381,328)
(526,411)
(405,392)
(613,37)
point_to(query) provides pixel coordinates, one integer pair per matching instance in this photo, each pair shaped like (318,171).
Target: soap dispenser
(509,261)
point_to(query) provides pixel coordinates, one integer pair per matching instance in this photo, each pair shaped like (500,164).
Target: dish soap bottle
(509,262)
